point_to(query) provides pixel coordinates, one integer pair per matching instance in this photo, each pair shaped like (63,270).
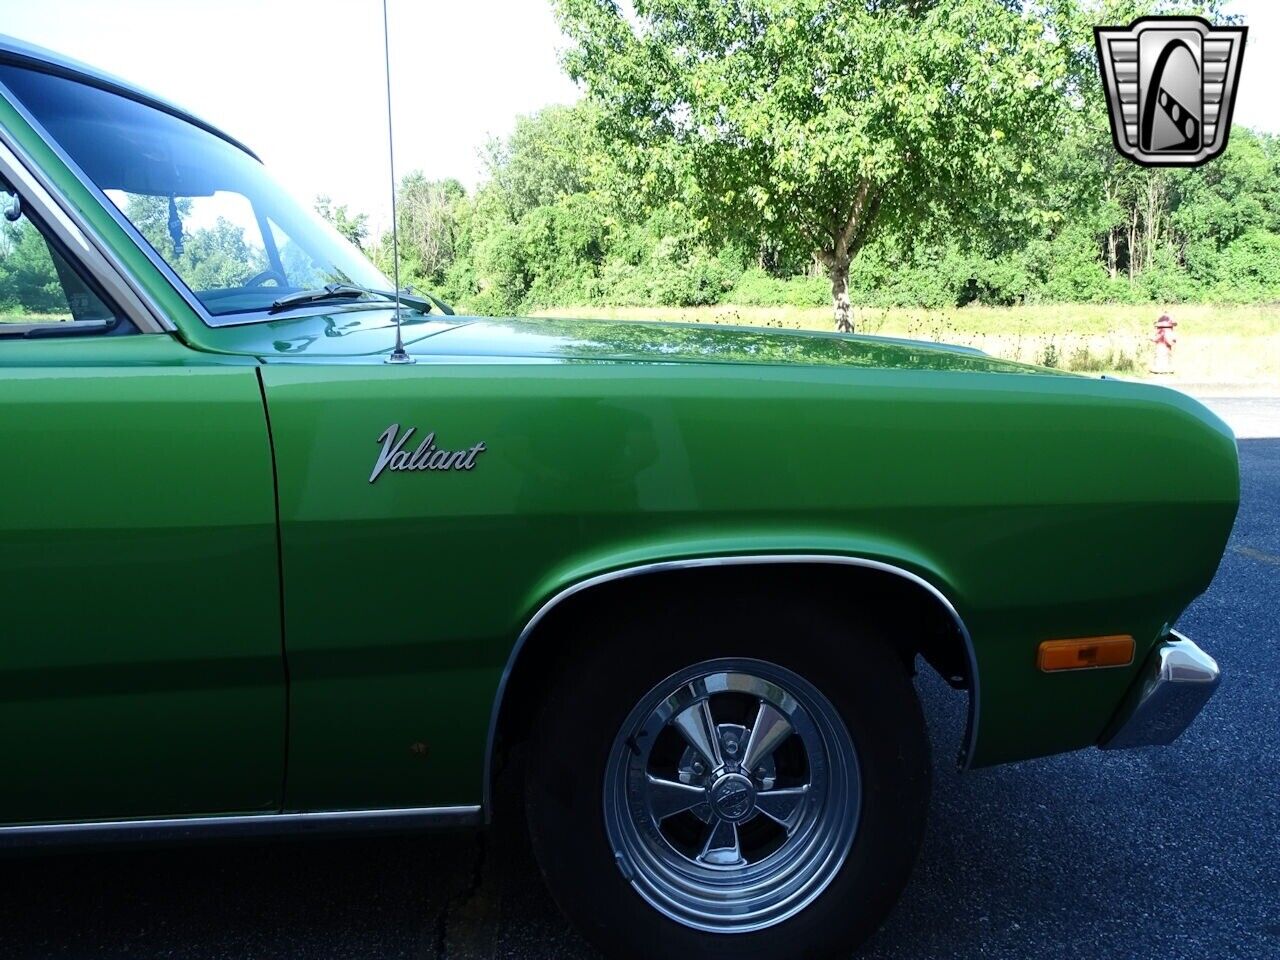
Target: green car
(664,587)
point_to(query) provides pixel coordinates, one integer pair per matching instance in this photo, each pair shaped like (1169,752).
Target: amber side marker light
(1084,653)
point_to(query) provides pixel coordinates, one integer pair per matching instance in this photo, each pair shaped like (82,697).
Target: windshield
(230,233)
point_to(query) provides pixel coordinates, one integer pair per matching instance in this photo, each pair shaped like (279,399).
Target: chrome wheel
(731,795)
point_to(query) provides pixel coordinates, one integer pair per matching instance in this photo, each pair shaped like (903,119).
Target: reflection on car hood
(362,335)
(645,342)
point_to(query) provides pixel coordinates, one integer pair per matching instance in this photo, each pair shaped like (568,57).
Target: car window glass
(299,266)
(213,243)
(199,201)
(37,283)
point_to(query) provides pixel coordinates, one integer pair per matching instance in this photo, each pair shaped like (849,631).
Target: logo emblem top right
(1171,87)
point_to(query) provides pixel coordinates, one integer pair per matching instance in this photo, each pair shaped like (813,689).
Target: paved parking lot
(1155,853)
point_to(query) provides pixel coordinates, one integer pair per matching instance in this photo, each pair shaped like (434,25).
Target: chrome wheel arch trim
(237,825)
(693,563)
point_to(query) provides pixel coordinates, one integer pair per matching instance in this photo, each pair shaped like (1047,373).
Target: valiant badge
(426,456)
(1171,86)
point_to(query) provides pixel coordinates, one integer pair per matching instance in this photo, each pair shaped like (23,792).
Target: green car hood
(366,335)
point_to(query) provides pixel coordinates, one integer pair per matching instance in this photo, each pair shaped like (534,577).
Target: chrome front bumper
(1175,683)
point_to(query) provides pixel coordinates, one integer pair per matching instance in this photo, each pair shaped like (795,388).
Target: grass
(1236,346)
(22,316)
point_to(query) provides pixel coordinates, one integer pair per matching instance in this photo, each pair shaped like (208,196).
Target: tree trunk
(1152,217)
(1112,241)
(1133,240)
(840,295)
(848,235)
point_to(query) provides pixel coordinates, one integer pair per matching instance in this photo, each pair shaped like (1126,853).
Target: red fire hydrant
(1164,340)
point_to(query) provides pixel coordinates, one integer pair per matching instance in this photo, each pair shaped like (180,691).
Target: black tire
(612,669)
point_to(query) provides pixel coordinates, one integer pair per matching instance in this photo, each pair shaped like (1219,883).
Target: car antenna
(398,355)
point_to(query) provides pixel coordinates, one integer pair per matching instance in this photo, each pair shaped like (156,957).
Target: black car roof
(21,53)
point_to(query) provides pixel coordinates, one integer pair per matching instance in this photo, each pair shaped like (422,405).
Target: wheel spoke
(768,733)
(666,798)
(721,847)
(699,729)
(782,806)
(732,797)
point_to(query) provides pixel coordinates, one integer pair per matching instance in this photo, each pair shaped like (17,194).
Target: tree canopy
(740,152)
(825,122)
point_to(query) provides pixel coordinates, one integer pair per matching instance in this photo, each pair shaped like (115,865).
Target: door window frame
(77,241)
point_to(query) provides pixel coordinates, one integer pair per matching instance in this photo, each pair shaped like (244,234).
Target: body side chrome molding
(238,825)
(61,217)
(691,563)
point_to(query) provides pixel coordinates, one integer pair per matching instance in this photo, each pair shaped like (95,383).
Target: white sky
(301,81)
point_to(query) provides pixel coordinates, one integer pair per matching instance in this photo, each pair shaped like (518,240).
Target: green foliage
(554,154)
(28,279)
(823,124)
(1067,267)
(1206,235)
(212,258)
(722,151)
(1248,270)
(217,257)
(758,288)
(355,227)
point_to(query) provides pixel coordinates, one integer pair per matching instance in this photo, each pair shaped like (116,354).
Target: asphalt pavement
(1161,853)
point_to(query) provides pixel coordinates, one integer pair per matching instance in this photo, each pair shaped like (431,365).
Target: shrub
(1166,281)
(756,288)
(1249,269)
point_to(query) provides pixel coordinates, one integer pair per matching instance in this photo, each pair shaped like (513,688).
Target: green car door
(141,671)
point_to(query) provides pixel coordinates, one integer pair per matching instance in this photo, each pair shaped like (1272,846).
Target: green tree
(430,219)
(551,154)
(355,227)
(213,257)
(219,257)
(827,121)
(718,143)
(538,230)
(28,279)
(1234,195)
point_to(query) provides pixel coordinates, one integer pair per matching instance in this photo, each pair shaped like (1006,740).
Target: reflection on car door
(141,671)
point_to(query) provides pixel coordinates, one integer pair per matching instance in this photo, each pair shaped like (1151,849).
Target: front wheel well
(907,611)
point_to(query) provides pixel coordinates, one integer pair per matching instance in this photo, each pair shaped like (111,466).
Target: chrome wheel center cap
(733,797)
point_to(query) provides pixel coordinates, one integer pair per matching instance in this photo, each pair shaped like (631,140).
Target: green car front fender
(1036,505)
